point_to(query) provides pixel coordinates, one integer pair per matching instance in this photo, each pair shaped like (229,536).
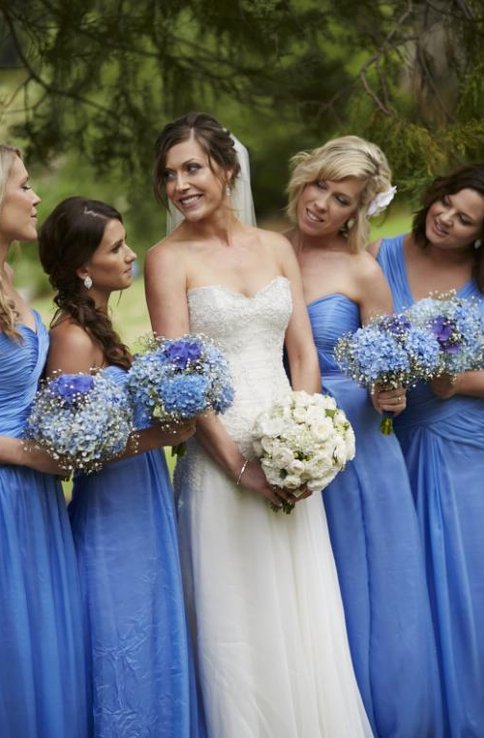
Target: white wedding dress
(268,626)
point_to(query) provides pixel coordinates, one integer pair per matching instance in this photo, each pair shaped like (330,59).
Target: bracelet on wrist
(242,470)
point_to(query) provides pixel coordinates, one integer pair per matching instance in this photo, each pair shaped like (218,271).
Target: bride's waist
(251,399)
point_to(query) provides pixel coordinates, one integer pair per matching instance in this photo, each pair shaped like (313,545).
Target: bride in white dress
(268,626)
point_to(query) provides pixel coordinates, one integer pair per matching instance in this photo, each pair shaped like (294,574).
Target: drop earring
(87,282)
(228,191)
(477,243)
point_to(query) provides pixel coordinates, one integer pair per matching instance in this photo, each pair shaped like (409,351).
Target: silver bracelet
(242,470)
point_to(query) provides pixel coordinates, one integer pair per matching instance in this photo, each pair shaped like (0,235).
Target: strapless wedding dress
(268,626)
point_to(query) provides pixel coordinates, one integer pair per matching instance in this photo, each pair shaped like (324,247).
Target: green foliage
(97,80)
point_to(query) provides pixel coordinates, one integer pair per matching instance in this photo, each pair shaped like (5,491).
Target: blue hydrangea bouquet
(81,420)
(457,324)
(389,352)
(174,380)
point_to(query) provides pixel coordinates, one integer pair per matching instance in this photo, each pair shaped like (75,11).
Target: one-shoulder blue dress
(443,444)
(123,521)
(42,677)
(378,552)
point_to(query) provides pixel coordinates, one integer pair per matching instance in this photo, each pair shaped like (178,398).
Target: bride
(268,626)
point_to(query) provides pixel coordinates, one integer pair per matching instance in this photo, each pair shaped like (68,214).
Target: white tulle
(262,590)
(240,196)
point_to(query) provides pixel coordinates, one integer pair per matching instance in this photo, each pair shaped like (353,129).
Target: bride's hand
(254,479)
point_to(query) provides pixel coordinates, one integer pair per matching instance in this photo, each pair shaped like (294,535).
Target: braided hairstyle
(347,156)
(8,315)
(469,177)
(214,139)
(67,239)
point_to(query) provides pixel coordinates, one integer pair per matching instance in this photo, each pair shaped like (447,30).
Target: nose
(321,200)
(35,198)
(130,254)
(180,183)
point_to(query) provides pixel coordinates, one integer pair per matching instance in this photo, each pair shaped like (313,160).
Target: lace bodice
(250,331)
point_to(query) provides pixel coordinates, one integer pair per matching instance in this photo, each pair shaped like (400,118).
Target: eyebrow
(192,160)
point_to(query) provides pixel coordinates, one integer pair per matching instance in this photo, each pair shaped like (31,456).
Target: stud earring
(87,282)
(477,243)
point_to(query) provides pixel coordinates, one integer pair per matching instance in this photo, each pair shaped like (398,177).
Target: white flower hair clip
(381,201)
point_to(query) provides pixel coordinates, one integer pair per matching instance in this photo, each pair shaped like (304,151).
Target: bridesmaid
(122,517)
(369,506)
(442,436)
(42,680)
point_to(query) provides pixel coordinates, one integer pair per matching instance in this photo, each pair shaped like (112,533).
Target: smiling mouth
(188,200)
(439,229)
(313,218)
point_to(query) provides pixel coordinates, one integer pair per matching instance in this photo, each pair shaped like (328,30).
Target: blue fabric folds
(378,553)
(124,529)
(42,673)
(443,444)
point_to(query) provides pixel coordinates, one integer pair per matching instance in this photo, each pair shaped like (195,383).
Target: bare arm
(467,383)
(301,351)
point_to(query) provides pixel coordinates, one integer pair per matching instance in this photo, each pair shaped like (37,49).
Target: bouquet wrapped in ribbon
(81,420)
(174,380)
(391,351)
(457,324)
(303,440)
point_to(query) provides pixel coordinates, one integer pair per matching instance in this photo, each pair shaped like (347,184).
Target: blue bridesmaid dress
(443,444)
(378,553)
(42,679)
(124,528)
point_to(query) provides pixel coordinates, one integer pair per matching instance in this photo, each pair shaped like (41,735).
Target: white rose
(292,481)
(322,482)
(350,443)
(271,426)
(282,457)
(327,402)
(340,451)
(323,429)
(340,418)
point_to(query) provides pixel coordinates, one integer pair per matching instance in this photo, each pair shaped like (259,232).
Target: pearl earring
(477,243)
(87,282)
(228,191)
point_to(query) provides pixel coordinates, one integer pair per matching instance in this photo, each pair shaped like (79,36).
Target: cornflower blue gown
(443,444)
(124,528)
(42,678)
(378,552)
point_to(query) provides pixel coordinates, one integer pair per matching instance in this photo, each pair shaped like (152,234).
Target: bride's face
(194,187)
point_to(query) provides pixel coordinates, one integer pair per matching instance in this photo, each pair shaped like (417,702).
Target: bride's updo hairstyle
(68,238)
(348,156)
(8,314)
(214,139)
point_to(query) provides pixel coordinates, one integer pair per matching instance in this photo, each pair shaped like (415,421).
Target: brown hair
(67,239)
(470,177)
(8,314)
(214,139)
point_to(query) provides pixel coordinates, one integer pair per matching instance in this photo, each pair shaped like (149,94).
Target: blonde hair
(8,314)
(347,156)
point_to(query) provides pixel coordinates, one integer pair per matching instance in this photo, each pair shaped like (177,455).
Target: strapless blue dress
(42,675)
(123,521)
(443,444)
(378,552)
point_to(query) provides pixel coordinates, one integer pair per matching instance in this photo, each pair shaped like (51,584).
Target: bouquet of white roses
(303,440)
